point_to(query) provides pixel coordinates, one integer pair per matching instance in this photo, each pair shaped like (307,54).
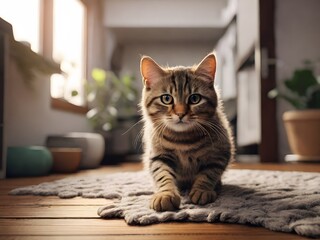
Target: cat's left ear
(151,72)
(207,67)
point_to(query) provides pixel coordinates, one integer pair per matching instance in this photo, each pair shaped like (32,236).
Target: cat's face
(180,98)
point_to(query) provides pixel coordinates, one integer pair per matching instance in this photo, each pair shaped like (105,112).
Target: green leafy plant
(110,98)
(303,89)
(31,64)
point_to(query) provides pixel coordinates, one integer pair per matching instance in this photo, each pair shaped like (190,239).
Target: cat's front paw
(165,201)
(202,197)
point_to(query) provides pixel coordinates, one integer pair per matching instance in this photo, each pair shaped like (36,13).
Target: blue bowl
(28,161)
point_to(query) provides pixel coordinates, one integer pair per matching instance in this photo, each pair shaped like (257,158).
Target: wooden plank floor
(38,217)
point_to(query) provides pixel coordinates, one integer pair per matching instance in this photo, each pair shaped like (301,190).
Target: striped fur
(187,144)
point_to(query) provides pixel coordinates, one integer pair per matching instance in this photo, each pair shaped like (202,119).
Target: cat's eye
(166,99)
(194,99)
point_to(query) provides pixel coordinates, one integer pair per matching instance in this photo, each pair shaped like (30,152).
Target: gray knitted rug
(279,201)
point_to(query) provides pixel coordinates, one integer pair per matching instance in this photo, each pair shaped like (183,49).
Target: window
(64,24)
(25,20)
(69,49)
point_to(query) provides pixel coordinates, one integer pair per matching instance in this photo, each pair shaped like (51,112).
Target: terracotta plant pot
(303,132)
(66,160)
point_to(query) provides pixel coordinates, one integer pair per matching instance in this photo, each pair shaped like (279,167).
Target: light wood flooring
(38,217)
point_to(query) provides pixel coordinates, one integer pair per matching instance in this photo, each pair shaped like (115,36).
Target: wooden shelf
(61,104)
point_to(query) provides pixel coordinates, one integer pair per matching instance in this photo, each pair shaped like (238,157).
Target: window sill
(60,104)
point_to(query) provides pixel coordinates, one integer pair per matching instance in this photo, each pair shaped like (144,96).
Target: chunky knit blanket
(276,200)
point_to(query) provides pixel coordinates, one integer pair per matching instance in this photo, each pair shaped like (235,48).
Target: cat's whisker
(135,124)
(164,125)
(205,132)
(216,128)
(157,130)
(138,139)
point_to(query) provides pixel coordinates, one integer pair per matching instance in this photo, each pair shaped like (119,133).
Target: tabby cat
(187,139)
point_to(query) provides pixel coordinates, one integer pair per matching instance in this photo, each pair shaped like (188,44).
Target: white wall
(137,22)
(97,43)
(165,13)
(29,116)
(247,27)
(166,54)
(297,34)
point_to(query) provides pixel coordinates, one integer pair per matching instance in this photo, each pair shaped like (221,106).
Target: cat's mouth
(179,125)
(180,121)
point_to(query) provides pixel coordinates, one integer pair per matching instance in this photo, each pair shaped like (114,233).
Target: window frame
(46,47)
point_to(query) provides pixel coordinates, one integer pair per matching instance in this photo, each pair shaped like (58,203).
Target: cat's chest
(189,163)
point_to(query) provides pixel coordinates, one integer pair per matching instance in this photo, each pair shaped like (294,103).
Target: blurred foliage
(302,89)
(110,98)
(30,63)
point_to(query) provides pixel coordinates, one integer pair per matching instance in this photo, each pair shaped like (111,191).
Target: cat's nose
(181,115)
(180,110)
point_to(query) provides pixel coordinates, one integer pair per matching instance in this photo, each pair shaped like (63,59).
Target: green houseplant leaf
(302,89)
(313,96)
(111,97)
(301,81)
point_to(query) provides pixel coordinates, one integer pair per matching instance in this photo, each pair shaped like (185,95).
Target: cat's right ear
(151,72)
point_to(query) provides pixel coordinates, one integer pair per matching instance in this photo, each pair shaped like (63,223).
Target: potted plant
(111,99)
(113,110)
(302,124)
